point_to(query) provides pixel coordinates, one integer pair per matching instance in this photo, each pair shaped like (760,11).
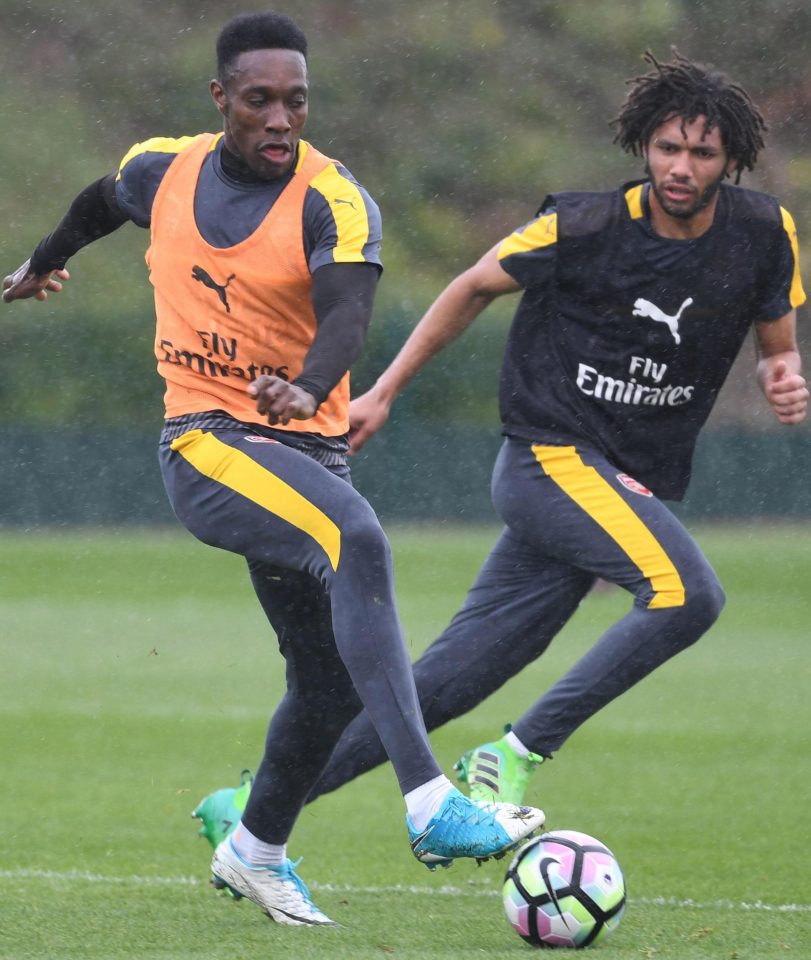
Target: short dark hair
(256,31)
(688,90)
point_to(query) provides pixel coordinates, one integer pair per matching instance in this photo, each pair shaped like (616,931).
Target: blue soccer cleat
(469,828)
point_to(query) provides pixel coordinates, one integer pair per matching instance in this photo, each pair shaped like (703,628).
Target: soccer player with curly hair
(635,304)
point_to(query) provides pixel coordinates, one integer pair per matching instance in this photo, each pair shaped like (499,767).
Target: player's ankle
(424,801)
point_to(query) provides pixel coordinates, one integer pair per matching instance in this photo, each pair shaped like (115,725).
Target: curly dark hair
(265,30)
(688,90)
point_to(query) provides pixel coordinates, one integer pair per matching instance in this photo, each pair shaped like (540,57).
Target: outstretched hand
(24,284)
(367,414)
(281,401)
(786,392)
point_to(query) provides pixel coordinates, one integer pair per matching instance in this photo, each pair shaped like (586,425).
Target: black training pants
(570,517)
(321,567)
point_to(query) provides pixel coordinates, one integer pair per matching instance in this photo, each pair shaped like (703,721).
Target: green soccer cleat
(495,773)
(221,811)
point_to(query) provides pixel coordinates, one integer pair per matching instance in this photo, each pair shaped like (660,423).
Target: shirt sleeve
(528,254)
(141,172)
(342,223)
(343,296)
(92,215)
(782,286)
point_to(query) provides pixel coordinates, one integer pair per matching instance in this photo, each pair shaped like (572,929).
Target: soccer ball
(564,889)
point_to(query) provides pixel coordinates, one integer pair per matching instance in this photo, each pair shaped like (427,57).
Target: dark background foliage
(458,116)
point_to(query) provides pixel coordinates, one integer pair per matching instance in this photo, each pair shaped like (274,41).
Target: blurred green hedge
(458,117)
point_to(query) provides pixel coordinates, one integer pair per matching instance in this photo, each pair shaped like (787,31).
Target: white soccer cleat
(279,891)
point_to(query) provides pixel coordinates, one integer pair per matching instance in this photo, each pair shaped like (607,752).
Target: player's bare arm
(779,369)
(453,311)
(24,283)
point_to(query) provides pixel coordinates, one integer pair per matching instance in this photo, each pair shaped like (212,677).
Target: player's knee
(700,606)
(363,538)
(704,602)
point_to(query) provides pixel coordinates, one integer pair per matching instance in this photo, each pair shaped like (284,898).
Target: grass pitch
(138,675)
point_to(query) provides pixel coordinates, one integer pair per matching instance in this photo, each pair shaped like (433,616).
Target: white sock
(517,747)
(256,852)
(424,802)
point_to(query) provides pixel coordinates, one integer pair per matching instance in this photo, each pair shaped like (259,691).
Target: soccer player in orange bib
(265,257)
(635,304)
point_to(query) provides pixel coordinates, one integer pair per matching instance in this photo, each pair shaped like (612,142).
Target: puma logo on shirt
(644,308)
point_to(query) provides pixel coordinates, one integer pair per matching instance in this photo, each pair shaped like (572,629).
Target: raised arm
(779,368)
(93,214)
(453,311)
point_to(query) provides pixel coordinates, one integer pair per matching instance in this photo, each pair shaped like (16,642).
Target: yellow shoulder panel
(542,232)
(160,145)
(303,147)
(349,211)
(797,294)
(633,198)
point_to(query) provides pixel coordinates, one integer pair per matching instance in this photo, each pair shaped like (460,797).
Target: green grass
(138,675)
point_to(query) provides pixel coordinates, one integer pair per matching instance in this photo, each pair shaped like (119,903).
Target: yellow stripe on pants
(238,472)
(607,508)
